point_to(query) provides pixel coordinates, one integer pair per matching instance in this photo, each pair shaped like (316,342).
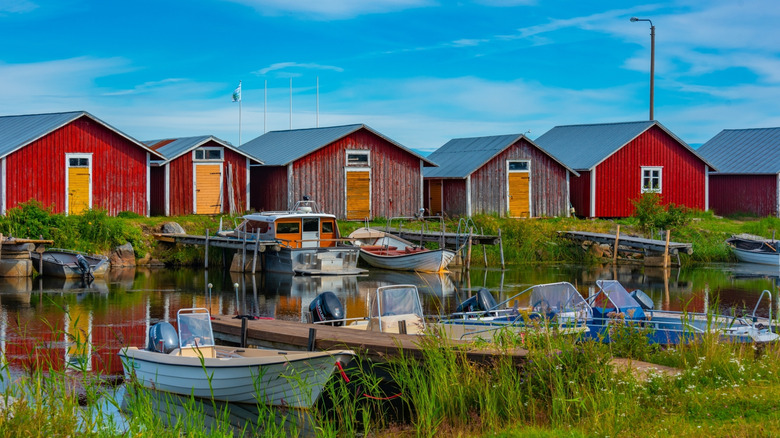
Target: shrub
(653,215)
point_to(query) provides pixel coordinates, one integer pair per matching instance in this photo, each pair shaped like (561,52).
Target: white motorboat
(189,363)
(383,250)
(755,249)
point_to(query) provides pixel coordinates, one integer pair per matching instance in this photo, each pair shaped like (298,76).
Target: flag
(237,93)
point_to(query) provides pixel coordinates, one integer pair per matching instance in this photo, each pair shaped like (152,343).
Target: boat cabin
(303,227)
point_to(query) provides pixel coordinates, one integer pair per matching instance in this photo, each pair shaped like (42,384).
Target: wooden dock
(291,335)
(217,241)
(631,244)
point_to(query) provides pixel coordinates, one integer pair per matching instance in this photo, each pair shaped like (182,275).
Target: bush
(653,215)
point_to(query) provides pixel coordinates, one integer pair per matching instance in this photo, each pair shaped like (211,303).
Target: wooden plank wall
(268,188)
(734,194)
(580,193)
(157,191)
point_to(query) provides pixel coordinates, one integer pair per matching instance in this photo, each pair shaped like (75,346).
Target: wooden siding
(618,178)
(454,197)
(180,176)
(37,171)
(269,188)
(580,193)
(157,191)
(358,194)
(395,176)
(237,163)
(548,183)
(735,194)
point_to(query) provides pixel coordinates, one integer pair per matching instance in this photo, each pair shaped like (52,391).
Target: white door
(311,232)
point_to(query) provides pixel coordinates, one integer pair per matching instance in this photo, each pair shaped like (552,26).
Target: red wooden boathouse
(617,162)
(199,175)
(507,175)
(352,171)
(72,162)
(748,176)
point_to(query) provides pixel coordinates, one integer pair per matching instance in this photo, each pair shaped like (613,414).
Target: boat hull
(313,261)
(278,378)
(425,261)
(760,257)
(63,264)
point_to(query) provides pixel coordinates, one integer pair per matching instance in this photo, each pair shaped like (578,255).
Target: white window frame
(67,178)
(365,152)
(209,148)
(660,171)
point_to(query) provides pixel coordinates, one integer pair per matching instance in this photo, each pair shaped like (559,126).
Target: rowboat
(65,263)
(383,250)
(755,249)
(309,241)
(189,363)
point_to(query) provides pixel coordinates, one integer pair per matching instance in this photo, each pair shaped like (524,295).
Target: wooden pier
(217,241)
(291,335)
(631,244)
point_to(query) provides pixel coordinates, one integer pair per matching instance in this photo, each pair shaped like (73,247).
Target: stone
(123,255)
(172,228)
(16,268)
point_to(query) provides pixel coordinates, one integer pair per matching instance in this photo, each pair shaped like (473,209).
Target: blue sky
(419,71)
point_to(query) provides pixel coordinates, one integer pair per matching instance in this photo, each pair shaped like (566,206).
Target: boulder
(172,228)
(123,255)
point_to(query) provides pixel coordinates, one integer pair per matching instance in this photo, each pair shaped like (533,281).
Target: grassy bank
(524,241)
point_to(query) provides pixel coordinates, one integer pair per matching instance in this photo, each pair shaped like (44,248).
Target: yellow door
(358,195)
(78,189)
(434,188)
(519,190)
(208,179)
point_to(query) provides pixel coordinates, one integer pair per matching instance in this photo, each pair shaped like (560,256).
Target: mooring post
(243,332)
(468,254)
(254,258)
(243,255)
(666,250)
(484,251)
(615,250)
(206,262)
(501,248)
(312,339)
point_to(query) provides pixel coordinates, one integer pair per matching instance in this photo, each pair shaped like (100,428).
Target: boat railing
(755,309)
(74,252)
(424,225)
(465,227)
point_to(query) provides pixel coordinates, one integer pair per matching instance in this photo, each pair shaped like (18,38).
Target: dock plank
(293,335)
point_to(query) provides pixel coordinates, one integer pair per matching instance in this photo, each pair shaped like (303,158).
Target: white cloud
(16,6)
(296,65)
(332,9)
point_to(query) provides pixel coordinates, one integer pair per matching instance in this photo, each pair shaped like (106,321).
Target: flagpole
(317,118)
(265,106)
(239,117)
(290,103)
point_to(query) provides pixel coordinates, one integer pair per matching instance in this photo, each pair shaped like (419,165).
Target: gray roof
(752,151)
(460,157)
(583,147)
(280,148)
(17,132)
(173,148)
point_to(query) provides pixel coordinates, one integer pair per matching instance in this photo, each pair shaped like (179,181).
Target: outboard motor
(481,302)
(644,301)
(163,338)
(327,307)
(83,264)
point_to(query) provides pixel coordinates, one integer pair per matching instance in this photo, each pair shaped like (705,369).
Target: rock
(173,228)
(123,255)
(15,268)
(596,251)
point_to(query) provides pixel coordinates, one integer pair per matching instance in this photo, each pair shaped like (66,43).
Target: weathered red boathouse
(508,175)
(617,162)
(352,171)
(748,176)
(71,162)
(199,175)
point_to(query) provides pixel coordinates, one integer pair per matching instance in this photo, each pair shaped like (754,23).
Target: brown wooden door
(358,194)
(519,194)
(208,181)
(435,195)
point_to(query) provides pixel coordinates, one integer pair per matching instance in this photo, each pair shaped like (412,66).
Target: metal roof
(173,148)
(280,148)
(18,131)
(751,151)
(460,157)
(583,147)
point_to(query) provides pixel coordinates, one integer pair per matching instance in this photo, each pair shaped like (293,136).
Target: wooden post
(468,253)
(243,332)
(206,262)
(402,327)
(312,339)
(254,258)
(501,248)
(484,251)
(617,240)
(40,251)
(1,245)
(243,255)
(666,250)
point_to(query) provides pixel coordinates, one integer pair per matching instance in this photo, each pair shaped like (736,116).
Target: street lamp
(652,58)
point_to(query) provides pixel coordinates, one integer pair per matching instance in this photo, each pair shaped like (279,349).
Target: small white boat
(64,263)
(188,363)
(383,250)
(755,249)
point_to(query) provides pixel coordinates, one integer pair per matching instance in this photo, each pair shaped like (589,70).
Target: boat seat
(205,351)
(414,324)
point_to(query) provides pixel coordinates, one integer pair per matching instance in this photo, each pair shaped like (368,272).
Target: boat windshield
(195,328)
(395,300)
(557,298)
(612,295)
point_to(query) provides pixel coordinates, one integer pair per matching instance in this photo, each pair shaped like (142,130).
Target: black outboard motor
(327,307)
(163,338)
(83,264)
(644,301)
(481,302)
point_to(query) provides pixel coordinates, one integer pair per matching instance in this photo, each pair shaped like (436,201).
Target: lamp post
(652,58)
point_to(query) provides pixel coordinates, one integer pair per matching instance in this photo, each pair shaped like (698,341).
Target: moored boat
(65,263)
(383,250)
(189,363)
(755,249)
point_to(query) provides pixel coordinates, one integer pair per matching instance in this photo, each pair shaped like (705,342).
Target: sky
(420,72)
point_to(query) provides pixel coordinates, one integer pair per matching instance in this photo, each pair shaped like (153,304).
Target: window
(651,179)
(78,162)
(518,166)
(311,225)
(288,227)
(358,158)
(327,227)
(208,154)
(256,226)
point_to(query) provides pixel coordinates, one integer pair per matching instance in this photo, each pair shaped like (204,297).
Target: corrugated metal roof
(750,151)
(19,131)
(460,157)
(582,147)
(173,148)
(280,148)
